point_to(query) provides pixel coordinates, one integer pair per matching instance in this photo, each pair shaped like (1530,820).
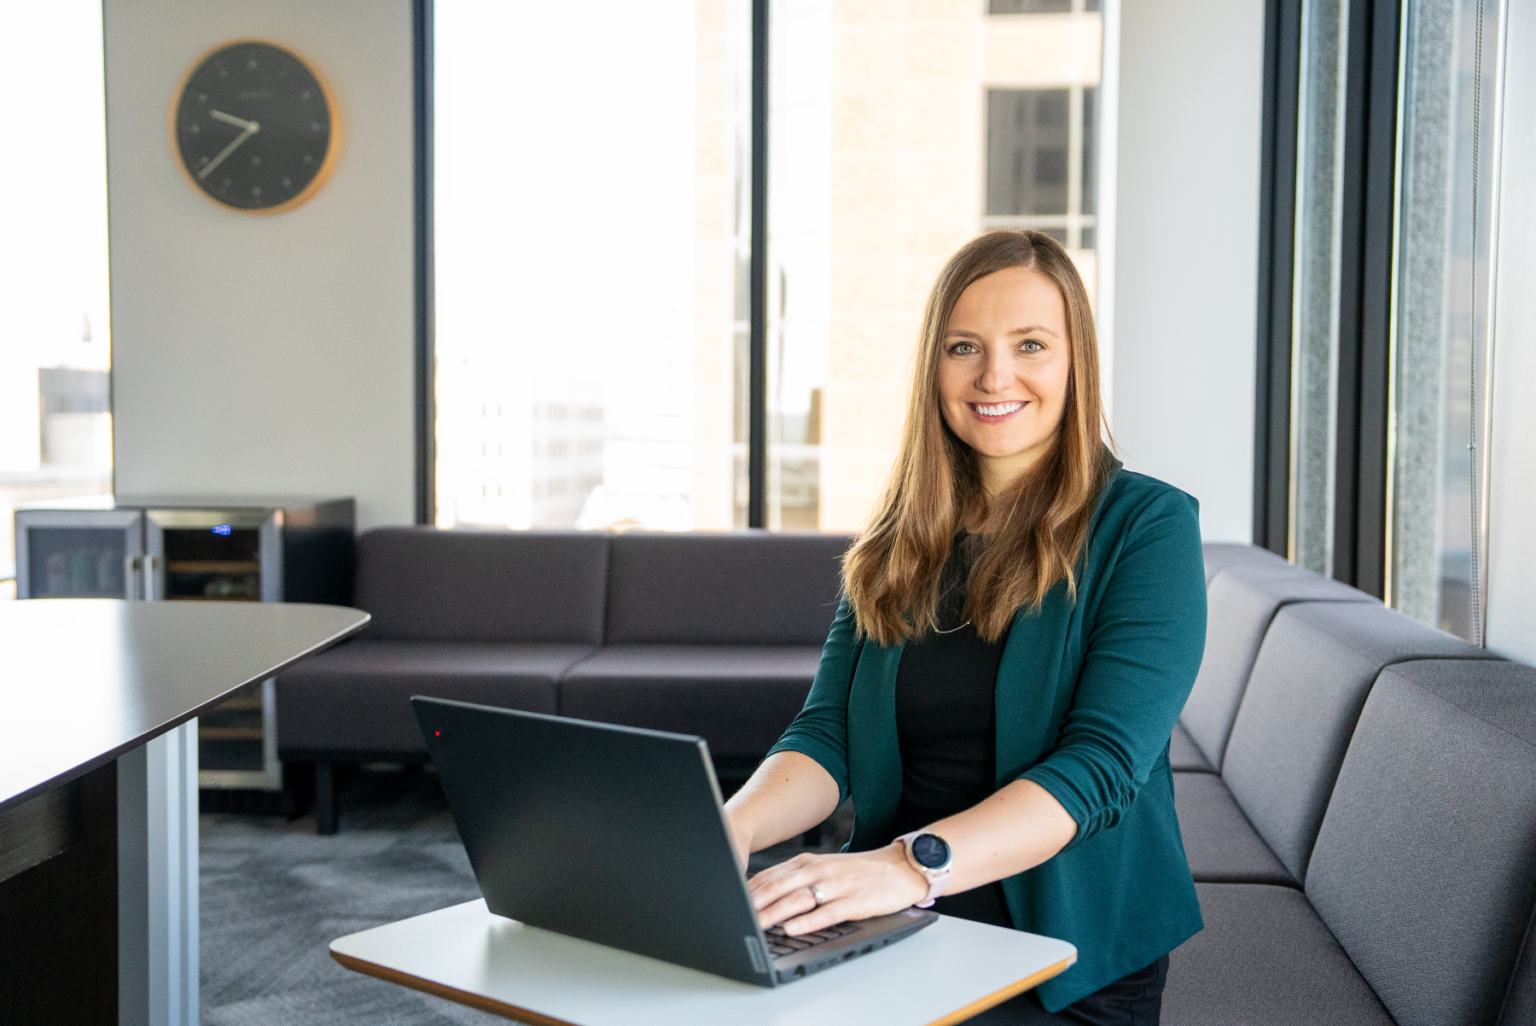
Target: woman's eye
(961,349)
(1031,346)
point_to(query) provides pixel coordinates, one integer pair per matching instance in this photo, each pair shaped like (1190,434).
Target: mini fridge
(190,550)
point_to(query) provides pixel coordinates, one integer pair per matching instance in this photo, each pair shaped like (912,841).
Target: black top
(88,679)
(946,725)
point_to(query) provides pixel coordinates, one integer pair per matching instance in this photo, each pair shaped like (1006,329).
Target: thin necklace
(952,630)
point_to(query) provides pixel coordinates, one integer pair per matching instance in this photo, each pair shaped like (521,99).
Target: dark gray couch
(1356,791)
(1357,795)
(710,634)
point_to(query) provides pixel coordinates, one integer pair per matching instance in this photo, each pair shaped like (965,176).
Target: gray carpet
(274,895)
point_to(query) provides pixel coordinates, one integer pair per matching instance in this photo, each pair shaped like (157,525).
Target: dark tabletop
(84,680)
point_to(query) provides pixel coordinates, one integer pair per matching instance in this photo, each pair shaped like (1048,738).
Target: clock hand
(251,129)
(230,119)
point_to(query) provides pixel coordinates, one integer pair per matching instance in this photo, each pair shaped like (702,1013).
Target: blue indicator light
(223,530)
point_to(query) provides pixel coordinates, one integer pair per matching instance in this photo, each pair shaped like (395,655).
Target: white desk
(944,974)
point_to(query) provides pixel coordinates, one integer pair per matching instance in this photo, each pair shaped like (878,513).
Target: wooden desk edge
(463,997)
(1012,990)
(485,1004)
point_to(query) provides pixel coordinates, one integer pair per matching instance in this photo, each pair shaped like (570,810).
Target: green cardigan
(1087,695)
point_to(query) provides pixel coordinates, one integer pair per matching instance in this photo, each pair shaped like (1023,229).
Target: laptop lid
(610,834)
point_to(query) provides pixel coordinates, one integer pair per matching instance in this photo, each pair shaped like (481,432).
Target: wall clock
(254,127)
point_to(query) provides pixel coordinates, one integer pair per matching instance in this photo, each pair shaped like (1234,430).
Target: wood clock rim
(333,146)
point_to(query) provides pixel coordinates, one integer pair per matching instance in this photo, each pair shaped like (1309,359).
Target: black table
(98,788)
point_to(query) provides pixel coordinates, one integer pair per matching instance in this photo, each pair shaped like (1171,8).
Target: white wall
(264,354)
(1186,248)
(1511,617)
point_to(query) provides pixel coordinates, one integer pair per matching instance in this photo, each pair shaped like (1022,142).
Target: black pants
(1134,1000)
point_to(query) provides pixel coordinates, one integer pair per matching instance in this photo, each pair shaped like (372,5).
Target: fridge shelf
(213,566)
(230,733)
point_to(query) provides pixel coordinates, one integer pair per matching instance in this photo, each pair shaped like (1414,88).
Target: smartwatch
(929,854)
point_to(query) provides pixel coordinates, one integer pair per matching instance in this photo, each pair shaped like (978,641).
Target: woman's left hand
(850,886)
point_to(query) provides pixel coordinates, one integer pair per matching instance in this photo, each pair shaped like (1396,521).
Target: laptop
(617,835)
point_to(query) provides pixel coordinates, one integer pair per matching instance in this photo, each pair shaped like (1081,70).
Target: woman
(1021,626)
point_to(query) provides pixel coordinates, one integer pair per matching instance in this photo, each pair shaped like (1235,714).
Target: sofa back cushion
(1313,673)
(1520,1006)
(424,584)
(1241,601)
(1424,865)
(737,588)
(1220,555)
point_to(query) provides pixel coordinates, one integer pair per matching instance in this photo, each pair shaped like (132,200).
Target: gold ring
(821,899)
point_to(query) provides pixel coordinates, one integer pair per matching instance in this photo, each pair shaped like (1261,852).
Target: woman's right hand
(812,892)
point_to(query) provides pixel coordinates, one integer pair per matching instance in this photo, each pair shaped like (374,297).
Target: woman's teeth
(1000,410)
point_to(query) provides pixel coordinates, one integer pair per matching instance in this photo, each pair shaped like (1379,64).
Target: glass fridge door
(87,553)
(224,555)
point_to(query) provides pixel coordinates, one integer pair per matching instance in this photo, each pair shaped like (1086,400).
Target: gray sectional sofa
(1357,796)
(1356,791)
(710,634)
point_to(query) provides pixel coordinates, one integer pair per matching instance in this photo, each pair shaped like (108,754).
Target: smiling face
(1003,371)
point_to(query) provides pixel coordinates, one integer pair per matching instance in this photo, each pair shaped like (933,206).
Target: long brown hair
(1036,528)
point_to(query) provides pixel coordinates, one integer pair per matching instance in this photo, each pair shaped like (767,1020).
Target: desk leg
(157,881)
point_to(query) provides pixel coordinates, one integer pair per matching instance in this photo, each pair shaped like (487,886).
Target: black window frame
(1367,241)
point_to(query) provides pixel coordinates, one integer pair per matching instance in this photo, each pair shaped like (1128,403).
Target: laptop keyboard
(780,943)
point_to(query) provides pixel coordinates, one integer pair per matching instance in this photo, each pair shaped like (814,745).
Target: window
(883,160)
(1389,302)
(1315,298)
(1040,6)
(584,250)
(593,241)
(1040,162)
(1028,139)
(55,333)
(1440,379)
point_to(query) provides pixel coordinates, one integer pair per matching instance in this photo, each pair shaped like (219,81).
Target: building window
(1041,168)
(1027,143)
(1040,6)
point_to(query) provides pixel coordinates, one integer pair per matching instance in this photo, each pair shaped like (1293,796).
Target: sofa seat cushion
(1184,755)
(1264,959)
(738,698)
(356,697)
(1220,843)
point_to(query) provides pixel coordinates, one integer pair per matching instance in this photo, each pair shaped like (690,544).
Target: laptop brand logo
(756,953)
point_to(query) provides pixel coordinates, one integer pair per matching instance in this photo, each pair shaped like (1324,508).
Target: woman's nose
(997,373)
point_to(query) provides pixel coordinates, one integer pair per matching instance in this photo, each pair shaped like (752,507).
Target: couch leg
(325,798)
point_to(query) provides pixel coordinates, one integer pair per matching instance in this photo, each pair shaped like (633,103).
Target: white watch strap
(938,879)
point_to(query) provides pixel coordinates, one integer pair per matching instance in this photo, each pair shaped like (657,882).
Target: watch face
(253,127)
(930,851)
